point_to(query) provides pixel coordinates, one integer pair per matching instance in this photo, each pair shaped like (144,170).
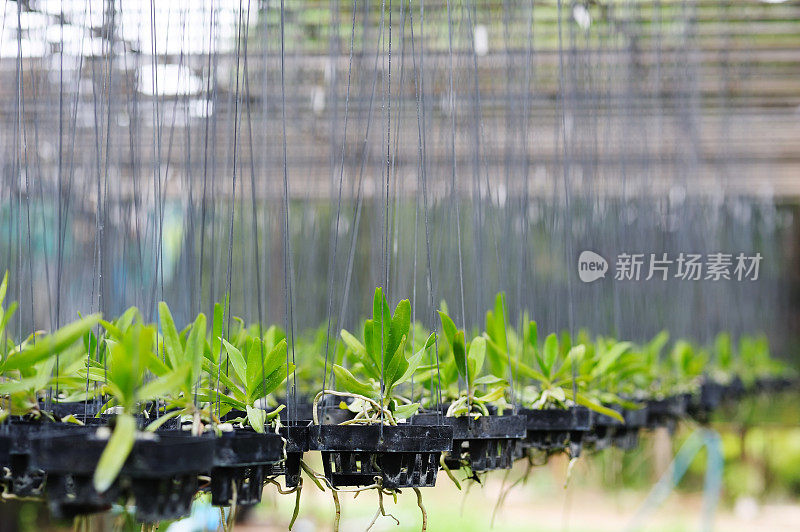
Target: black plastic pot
(333,415)
(5,462)
(301,408)
(297,443)
(609,431)
(766,385)
(63,409)
(242,459)
(626,437)
(485,443)
(401,456)
(555,430)
(666,412)
(160,474)
(22,478)
(735,390)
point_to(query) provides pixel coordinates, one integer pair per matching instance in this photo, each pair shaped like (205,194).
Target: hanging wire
(335,227)
(287,249)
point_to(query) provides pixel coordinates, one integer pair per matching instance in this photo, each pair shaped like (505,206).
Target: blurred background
(297,155)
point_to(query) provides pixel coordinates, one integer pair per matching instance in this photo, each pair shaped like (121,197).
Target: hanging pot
(555,430)
(242,459)
(160,474)
(484,443)
(400,456)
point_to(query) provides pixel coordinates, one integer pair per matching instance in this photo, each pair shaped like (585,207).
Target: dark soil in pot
(485,443)
(401,456)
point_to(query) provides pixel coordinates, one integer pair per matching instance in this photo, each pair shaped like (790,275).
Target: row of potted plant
(100,411)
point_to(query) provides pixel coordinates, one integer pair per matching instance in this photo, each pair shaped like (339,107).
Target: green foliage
(40,362)
(465,362)
(382,361)
(564,380)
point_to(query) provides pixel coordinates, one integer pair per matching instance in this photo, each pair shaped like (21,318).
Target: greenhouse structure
(437,265)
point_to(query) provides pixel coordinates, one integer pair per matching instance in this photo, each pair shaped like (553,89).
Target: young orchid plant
(382,363)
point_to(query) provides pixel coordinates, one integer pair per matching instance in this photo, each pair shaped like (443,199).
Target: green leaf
(237,360)
(115,453)
(112,330)
(5,316)
(195,344)
(460,354)
(3,287)
(213,370)
(477,354)
(608,358)
(488,379)
(496,323)
(415,360)
(356,347)
(261,378)
(127,319)
(52,344)
(276,357)
(273,380)
(155,364)
(397,366)
(205,395)
(405,411)
(172,344)
(550,354)
(360,352)
(724,349)
(532,334)
(349,383)
(256,417)
(400,325)
(163,386)
(429,342)
(372,342)
(448,327)
(529,372)
(495,395)
(381,328)
(582,400)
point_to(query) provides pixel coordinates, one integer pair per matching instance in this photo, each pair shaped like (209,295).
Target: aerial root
(280,489)
(381,510)
(447,470)
(422,509)
(570,465)
(298,489)
(338,516)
